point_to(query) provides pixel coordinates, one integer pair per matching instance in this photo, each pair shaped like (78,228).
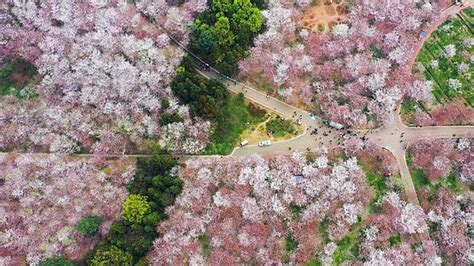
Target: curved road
(395,136)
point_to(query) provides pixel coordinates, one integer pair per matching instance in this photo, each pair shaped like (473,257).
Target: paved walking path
(451,11)
(395,136)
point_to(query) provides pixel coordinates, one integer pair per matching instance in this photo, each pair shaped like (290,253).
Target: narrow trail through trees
(395,136)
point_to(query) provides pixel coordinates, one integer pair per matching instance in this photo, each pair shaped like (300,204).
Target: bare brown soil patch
(324,14)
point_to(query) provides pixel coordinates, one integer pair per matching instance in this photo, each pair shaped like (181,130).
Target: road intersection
(394,136)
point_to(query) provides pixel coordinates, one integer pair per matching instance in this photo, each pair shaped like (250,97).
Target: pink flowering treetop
(44,197)
(105,70)
(355,72)
(245,208)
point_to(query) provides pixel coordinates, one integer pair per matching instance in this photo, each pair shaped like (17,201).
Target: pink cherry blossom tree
(105,68)
(243,208)
(43,197)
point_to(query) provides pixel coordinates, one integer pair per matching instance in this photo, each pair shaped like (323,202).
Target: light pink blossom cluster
(42,197)
(105,69)
(242,207)
(398,218)
(175,17)
(453,113)
(440,157)
(357,69)
(451,217)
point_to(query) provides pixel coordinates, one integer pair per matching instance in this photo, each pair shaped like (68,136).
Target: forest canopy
(223,34)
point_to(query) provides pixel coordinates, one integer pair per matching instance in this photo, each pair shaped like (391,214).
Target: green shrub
(395,240)
(56,261)
(89,225)
(15,75)
(323,229)
(348,248)
(167,118)
(296,210)
(111,256)
(291,244)
(280,127)
(165,103)
(135,208)
(314,262)
(380,184)
(409,107)
(256,111)
(419,179)
(204,240)
(376,51)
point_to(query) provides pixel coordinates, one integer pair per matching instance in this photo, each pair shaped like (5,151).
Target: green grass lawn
(380,183)
(408,110)
(323,230)
(204,241)
(452,32)
(420,180)
(234,117)
(348,248)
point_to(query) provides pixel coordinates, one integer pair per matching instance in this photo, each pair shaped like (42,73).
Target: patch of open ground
(324,14)
(259,132)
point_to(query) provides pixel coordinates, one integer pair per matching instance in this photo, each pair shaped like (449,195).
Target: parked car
(264,143)
(243,143)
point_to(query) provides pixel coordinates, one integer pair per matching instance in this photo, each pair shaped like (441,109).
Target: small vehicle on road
(265,143)
(244,143)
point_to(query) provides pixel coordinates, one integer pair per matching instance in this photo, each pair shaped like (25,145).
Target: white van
(244,142)
(264,143)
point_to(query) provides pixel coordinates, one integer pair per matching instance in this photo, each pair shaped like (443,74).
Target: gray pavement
(395,136)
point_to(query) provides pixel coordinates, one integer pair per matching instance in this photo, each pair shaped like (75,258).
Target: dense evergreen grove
(223,34)
(209,99)
(205,97)
(280,127)
(56,261)
(151,191)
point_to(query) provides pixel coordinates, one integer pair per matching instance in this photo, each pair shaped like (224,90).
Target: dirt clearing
(324,14)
